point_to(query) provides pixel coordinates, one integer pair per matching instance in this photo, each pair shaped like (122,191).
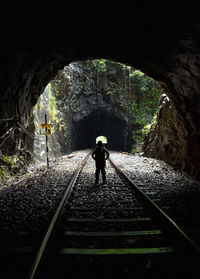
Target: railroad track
(112,229)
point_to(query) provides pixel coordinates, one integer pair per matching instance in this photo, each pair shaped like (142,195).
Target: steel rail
(180,239)
(55,218)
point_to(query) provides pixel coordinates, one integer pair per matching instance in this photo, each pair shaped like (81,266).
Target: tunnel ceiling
(36,44)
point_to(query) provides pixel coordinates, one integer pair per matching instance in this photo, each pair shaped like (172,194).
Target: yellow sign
(47,127)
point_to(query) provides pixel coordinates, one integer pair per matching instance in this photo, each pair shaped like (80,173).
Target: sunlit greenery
(146,129)
(52,107)
(10,166)
(143,105)
(97,65)
(2,175)
(137,94)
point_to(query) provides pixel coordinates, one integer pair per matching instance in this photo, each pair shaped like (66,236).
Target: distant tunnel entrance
(99,122)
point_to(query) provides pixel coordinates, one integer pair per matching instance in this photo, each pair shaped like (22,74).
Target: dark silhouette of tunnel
(97,123)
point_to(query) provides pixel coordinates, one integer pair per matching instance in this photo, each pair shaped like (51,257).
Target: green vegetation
(144,104)
(140,134)
(52,107)
(55,87)
(49,105)
(10,166)
(143,107)
(126,89)
(140,97)
(97,65)
(2,175)
(140,94)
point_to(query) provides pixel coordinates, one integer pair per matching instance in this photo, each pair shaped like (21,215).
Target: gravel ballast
(175,193)
(27,205)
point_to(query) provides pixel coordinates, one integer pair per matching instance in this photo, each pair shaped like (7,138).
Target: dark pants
(103,173)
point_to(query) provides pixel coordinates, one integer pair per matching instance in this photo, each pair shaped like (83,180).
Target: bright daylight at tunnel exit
(91,98)
(99,145)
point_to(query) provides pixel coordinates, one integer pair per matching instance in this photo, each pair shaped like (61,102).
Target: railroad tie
(117,251)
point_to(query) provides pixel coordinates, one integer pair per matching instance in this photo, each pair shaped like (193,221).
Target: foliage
(11,167)
(52,105)
(140,135)
(139,96)
(141,93)
(10,159)
(136,93)
(146,129)
(143,107)
(2,174)
(55,87)
(97,65)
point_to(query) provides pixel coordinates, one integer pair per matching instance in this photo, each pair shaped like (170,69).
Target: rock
(157,171)
(68,156)
(97,95)
(169,54)
(168,140)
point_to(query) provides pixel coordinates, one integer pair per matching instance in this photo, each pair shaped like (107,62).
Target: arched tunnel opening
(90,98)
(32,52)
(170,57)
(99,122)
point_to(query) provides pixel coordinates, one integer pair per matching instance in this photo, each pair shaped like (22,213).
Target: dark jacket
(100,155)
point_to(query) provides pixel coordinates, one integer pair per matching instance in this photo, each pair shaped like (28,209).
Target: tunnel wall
(34,48)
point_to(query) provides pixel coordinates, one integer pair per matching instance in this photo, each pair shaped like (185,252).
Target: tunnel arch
(45,45)
(99,122)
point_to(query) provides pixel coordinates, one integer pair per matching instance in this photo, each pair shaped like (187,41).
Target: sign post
(47,143)
(47,133)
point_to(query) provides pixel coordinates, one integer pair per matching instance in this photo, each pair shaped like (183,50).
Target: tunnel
(38,44)
(97,123)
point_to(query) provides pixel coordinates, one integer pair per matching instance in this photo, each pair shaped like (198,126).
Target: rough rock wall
(35,45)
(182,114)
(95,97)
(21,85)
(87,98)
(167,139)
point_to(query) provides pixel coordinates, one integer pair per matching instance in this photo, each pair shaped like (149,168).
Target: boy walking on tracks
(100,155)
